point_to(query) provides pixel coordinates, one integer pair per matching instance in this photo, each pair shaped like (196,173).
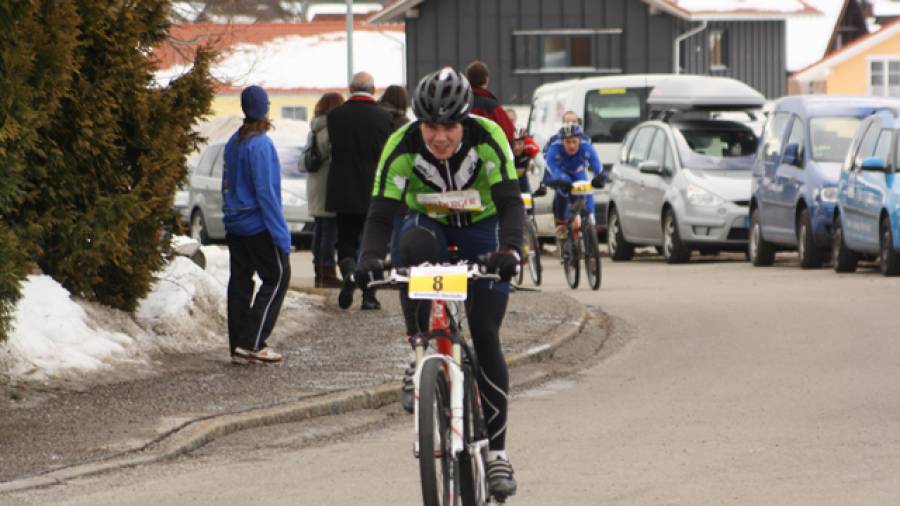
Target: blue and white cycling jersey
(562,166)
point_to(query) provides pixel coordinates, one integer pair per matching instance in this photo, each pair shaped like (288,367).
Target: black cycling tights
(485,309)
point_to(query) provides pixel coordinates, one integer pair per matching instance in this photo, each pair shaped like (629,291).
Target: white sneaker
(266,355)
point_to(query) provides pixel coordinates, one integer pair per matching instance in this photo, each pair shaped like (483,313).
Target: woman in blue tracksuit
(257,234)
(568,160)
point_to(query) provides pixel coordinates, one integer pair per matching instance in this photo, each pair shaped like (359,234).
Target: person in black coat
(358,130)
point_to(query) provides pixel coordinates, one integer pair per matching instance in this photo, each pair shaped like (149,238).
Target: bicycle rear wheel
(435,459)
(534,254)
(591,256)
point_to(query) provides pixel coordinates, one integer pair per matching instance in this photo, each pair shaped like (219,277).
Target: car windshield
(831,137)
(289,157)
(716,148)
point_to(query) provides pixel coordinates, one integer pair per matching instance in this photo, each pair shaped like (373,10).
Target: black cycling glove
(504,262)
(367,270)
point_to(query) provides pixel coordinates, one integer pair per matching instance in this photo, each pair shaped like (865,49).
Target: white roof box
(704,93)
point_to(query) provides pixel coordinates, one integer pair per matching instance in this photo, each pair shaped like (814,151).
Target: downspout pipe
(681,38)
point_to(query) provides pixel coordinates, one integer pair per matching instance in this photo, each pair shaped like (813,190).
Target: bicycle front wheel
(534,254)
(569,256)
(592,256)
(435,459)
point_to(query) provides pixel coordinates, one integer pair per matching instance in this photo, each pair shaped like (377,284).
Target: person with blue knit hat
(259,241)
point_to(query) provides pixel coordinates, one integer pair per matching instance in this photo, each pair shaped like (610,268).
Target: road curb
(203,431)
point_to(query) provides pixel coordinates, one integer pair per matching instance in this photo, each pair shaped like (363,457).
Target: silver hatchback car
(681,185)
(204,194)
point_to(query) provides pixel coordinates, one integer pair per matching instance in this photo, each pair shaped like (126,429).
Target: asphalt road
(734,385)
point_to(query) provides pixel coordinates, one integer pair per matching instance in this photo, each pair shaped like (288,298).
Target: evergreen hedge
(91,151)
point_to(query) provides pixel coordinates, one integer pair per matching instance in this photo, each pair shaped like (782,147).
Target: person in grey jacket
(325,228)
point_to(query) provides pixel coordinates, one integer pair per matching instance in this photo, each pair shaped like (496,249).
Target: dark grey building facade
(530,42)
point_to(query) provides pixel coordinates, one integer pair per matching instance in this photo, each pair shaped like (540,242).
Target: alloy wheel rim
(613,231)
(668,239)
(196,228)
(754,241)
(801,244)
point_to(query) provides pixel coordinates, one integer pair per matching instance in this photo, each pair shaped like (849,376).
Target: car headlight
(292,199)
(827,194)
(700,196)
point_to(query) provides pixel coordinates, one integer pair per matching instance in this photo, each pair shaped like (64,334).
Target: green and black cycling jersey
(407,169)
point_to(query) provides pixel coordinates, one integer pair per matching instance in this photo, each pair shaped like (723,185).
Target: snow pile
(318,61)
(53,333)
(55,336)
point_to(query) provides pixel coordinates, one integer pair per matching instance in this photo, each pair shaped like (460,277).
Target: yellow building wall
(852,76)
(227,104)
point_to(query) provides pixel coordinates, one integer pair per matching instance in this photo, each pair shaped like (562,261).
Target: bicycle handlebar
(398,276)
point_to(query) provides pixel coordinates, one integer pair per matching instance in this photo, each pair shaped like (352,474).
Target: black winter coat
(358,130)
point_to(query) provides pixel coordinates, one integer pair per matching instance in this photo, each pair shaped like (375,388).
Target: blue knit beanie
(255,103)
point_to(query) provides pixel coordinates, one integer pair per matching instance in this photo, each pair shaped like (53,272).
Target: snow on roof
(734,9)
(885,7)
(298,57)
(340,8)
(808,36)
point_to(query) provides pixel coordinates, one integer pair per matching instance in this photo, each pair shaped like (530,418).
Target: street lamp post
(349,41)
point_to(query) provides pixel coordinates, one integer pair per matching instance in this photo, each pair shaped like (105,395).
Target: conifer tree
(37,42)
(119,143)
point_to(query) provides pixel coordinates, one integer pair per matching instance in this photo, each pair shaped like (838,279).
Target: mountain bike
(581,237)
(451,441)
(531,247)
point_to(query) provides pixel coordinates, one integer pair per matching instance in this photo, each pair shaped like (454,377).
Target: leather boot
(330,278)
(318,280)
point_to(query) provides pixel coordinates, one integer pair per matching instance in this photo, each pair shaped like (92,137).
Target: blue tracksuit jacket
(251,190)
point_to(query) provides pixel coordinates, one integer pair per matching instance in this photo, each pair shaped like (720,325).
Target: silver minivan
(682,181)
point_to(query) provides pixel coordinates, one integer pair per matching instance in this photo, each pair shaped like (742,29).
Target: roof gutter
(678,40)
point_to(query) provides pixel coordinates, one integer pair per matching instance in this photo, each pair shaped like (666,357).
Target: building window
(294,112)
(560,51)
(576,51)
(884,77)
(718,50)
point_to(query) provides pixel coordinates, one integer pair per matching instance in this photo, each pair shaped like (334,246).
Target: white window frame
(886,61)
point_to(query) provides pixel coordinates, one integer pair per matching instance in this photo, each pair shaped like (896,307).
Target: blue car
(867,220)
(795,175)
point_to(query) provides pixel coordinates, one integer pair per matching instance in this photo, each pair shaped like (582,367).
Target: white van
(609,106)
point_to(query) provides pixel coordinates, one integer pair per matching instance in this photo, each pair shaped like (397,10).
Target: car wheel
(844,259)
(760,252)
(890,260)
(619,248)
(198,227)
(811,256)
(675,251)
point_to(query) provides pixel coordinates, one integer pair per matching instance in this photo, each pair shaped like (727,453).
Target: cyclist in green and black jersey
(448,158)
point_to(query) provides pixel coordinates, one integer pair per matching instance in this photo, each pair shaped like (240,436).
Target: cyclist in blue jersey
(567,161)
(567,117)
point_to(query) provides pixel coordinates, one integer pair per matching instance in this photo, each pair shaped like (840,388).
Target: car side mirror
(650,167)
(792,155)
(873,163)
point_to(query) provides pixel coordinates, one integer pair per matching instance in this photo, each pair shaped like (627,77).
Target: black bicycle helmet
(444,96)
